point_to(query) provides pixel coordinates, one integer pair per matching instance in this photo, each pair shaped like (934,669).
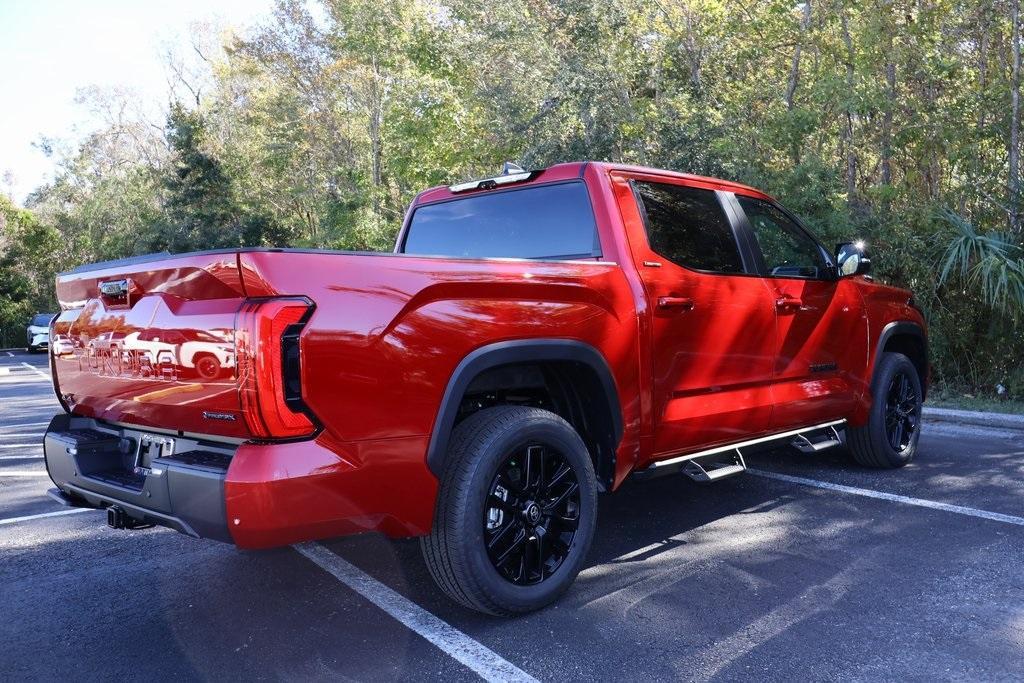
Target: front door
(821,331)
(712,325)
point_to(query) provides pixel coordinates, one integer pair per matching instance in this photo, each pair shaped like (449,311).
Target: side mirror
(851,259)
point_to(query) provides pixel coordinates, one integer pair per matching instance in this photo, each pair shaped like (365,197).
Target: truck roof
(576,169)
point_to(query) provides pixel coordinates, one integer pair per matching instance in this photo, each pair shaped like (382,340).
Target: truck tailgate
(152,343)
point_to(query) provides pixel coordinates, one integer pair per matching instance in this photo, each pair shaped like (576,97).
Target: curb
(970,417)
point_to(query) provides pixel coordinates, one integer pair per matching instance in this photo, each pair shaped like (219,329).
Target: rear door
(821,330)
(712,324)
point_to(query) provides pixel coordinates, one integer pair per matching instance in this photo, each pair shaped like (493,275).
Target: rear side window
(688,226)
(540,222)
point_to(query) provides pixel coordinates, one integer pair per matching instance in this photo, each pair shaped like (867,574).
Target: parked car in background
(207,355)
(38,331)
(534,340)
(61,345)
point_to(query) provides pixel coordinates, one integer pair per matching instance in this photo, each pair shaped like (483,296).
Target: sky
(49,49)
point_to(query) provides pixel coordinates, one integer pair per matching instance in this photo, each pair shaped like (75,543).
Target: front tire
(516,511)
(889,439)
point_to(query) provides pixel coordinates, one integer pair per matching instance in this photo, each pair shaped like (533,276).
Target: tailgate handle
(114,288)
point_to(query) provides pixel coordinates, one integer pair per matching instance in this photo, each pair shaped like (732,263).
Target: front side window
(540,222)
(688,226)
(788,251)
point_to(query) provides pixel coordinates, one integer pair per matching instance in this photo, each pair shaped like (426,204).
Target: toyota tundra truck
(535,339)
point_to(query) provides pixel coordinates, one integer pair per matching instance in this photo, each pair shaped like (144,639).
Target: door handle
(789,304)
(680,302)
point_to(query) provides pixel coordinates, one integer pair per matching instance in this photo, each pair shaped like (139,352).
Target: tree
(869,118)
(26,270)
(1014,139)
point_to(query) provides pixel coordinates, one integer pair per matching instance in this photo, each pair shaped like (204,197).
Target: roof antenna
(511,167)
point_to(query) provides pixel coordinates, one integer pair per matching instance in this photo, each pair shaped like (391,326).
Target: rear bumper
(251,494)
(92,464)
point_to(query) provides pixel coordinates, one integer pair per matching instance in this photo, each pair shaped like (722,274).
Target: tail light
(269,367)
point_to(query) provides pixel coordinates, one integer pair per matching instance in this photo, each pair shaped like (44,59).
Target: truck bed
(166,349)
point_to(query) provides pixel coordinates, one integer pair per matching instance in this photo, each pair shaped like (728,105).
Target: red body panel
(284,493)
(387,331)
(824,327)
(883,306)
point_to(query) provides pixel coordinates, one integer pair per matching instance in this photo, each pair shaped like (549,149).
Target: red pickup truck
(535,339)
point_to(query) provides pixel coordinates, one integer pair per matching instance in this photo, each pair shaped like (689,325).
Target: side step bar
(723,461)
(709,471)
(803,443)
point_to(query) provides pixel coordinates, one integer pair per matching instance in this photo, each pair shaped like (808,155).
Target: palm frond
(992,262)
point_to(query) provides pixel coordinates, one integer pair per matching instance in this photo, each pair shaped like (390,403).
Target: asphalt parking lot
(809,568)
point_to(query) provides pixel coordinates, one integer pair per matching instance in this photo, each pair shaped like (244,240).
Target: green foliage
(992,264)
(26,270)
(887,120)
(199,203)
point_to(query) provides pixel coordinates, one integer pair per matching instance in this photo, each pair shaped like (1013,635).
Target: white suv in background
(38,331)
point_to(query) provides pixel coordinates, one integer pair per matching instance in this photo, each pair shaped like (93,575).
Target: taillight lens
(269,381)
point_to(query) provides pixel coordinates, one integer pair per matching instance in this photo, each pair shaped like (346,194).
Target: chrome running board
(718,470)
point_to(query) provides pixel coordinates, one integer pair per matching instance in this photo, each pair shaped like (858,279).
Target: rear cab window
(543,222)
(688,226)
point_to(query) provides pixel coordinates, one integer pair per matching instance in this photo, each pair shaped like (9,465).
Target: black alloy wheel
(902,411)
(889,438)
(531,514)
(515,512)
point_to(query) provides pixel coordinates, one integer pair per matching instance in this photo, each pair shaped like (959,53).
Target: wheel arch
(598,418)
(196,355)
(908,338)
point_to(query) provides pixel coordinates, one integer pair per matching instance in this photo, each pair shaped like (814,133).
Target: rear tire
(207,366)
(890,437)
(508,536)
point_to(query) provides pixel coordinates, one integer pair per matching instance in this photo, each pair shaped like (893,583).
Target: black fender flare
(901,327)
(509,353)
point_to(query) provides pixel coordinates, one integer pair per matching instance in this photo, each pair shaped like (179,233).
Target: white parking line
(24,424)
(37,371)
(21,457)
(488,664)
(23,473)
(26,518)
(22,445)
(892,497)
